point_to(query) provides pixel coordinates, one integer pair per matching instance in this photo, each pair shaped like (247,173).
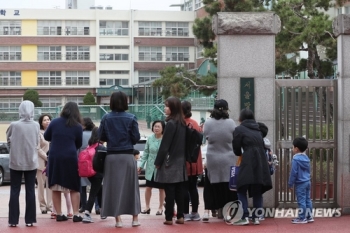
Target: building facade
(65,53)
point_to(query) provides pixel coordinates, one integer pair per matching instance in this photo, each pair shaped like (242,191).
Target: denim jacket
(120,130)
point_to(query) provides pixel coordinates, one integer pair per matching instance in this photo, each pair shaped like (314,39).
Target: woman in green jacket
(147,162)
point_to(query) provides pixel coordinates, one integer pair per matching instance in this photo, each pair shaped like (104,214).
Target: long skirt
(217,195)
(120,194)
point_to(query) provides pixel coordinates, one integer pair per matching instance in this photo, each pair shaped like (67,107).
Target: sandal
(159,212)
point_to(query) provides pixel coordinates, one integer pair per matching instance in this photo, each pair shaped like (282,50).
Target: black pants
(16,182)
(83,197)
(174,192)
(191,191)
(95,191)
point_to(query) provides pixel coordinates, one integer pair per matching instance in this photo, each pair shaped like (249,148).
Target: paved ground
(153,223)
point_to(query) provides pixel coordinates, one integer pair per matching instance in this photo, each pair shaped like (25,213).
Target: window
(112,82)
(150,28)
(150,53)
(188,5)
(78,27)
(10,78)
(11,27)
(198,4)
(77,53)
(10,53)
(199,51)
(50,102)
(49,27)
(50,53)
(177,54)
(114,72)
(114,57)
(76,99)
(177,29)
(49,78)
(75,78)
(114,28)
(347,10)
(114,46)
(10,102)
(145,76)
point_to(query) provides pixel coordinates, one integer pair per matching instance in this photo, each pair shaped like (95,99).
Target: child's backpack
(85,161)
(194,141)
(269,158)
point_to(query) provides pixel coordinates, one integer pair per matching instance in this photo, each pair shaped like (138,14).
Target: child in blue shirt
(300,179)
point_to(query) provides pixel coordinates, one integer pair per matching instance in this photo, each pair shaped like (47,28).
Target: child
(136,154)
(300,179)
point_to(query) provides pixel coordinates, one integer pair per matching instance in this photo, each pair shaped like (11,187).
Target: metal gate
(307,108)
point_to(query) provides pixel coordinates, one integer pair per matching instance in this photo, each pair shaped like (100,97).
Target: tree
(177,81)
(305,27)
(32,95)
(89,99)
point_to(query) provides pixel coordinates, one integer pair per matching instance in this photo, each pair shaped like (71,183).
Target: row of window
(172,54)
(51,53)
(48,102)
(73,78)
(107,28)
(54,78)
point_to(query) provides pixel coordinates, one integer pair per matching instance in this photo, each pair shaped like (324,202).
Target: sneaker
(261,218)
(187,217)
(195,217)
(310,219)
(103,217)
(53,216)
(256,221)
(98,211)
(241,222)
(61,218)
(87,218)
(213,213)
(77,218)
(69,215)
(299,221)
(205,217)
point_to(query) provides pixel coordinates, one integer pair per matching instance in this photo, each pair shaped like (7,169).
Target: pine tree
(89,99)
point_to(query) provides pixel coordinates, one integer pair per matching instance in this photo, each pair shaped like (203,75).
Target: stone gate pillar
(341,29)
(246,67)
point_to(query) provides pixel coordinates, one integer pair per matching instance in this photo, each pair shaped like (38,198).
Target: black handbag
(98,162)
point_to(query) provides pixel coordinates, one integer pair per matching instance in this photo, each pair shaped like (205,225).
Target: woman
(193,170)
(147,161)
(254,175)
(218,130)
(65,134)
(96,180)
(170,160)
(87,128)
(120,193)
(23,138)
(44,121)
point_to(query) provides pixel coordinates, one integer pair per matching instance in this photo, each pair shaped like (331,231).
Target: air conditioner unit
(99,7)
(109,8)
(92,7)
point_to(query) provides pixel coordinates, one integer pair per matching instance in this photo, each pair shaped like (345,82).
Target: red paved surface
(155,224)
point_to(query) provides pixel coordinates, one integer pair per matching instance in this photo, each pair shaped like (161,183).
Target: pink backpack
(85,161)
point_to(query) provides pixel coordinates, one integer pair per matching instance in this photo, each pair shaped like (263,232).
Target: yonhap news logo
(233,211)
